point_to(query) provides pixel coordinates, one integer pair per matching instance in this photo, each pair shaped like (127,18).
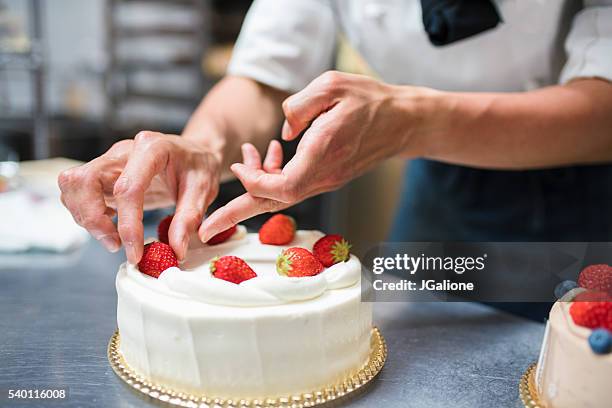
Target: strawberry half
(298,262)
(232,269)
(156,258)
(278,230)
(592,310)
(222,236)
(596,277)
(162,229)
(331,249)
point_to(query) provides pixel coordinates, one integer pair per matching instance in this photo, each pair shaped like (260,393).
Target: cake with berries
(246,316)
(575,364)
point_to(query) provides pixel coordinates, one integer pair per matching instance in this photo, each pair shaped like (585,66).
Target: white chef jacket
(288,43)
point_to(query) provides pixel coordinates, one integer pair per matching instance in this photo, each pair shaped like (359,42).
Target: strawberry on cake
(575,364)
(245,316)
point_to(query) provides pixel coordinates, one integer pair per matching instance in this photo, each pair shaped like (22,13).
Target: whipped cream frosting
(194,280)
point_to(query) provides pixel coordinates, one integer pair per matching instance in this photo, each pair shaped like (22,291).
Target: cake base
(332,393)
(527,388)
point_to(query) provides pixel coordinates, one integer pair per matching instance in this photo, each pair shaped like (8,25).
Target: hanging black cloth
(447,21)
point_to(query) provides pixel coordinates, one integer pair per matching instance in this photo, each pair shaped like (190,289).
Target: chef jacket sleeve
(285,43)
(589,43)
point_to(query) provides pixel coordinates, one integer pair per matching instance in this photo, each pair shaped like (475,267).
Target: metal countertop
(57,318)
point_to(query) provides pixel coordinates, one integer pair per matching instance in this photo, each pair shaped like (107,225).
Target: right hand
(151,171)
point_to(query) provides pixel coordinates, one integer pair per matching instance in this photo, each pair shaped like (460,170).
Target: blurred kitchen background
(78,75)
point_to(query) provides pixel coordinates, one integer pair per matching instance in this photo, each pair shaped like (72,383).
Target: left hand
(352,124)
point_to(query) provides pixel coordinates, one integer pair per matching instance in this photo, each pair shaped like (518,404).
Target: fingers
(274,158)
(149,157)
(262,184)
(250,156)
(272,162)
(252,176)
(288,185)
(194,196)
(237,210)
(303,107)
(83,196)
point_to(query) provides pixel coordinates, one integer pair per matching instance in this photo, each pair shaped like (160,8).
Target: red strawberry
(162,229)
(156,258)
(593,296)
(331,249)
(298,262)
(278,230)
(222,236)
(592,310)
(231,269)
(596,277)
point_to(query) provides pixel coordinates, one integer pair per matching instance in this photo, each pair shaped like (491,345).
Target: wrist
(426,116)
(209,140)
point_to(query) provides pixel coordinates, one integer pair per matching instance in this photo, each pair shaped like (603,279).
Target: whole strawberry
(297,262)
(232,269)
(162,229)
(222,236)
(596,277)
(331,249)
(278,230)
(592,310)
(156,258)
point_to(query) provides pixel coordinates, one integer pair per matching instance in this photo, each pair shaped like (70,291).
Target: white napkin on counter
(29,221)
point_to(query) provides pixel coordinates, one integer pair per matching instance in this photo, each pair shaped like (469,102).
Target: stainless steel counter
(56,320)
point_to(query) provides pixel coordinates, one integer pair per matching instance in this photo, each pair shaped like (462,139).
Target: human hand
(153,170)
(352,123)
(246,205)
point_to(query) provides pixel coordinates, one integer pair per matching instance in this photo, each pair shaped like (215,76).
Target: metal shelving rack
(120,71)
(31,58)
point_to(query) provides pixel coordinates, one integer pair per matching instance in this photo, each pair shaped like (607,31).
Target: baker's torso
(524,52)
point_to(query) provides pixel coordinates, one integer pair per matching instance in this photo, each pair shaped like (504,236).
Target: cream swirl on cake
(195,281)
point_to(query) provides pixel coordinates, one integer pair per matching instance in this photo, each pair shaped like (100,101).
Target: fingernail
(110,244)
(130,251)
(236,168)
(285,131)
(184,245)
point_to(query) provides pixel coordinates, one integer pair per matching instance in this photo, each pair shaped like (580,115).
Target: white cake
(269,336)
(569,373)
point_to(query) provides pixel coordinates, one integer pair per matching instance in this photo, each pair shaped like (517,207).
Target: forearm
(554,126)
(235,111)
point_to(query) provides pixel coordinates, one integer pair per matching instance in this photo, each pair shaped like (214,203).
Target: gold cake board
(331,395)
(527,389)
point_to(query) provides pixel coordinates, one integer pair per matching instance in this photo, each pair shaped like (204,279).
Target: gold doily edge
(328,396)
(527,389)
